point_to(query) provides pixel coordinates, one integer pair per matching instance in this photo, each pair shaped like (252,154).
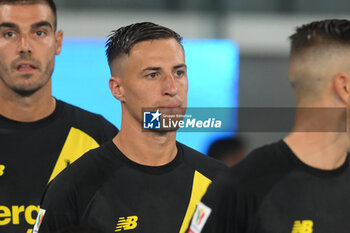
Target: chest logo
(2,169)
(304,226)
(126,224)
(200,217)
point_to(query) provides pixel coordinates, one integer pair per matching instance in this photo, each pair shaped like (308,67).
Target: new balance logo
(304,226)
(126,224)
(2,169)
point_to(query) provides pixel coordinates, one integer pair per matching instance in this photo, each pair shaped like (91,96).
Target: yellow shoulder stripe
(76,144)
(199,187)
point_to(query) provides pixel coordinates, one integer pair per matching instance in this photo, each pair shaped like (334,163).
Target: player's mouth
(26,67)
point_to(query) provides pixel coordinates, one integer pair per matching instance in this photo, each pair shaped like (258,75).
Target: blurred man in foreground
(301,183)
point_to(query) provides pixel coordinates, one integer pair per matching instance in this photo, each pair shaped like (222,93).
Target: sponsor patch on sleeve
(199,219)
(38,221)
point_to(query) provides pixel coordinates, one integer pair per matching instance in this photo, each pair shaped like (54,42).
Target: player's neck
(146,148)
(27,109)
(322,150)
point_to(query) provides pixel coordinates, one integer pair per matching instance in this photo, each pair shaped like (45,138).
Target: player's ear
(59,39)
(116,87)
(341,83)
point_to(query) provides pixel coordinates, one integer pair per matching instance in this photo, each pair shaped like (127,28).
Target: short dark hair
(329,31)
(121,41)
(51,4)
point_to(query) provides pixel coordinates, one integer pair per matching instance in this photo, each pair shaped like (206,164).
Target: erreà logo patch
(304,226)
(126,224)
(200,217)
(39,220)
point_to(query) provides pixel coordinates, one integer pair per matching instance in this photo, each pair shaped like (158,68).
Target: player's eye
(9,34)
(179,73)
(152,75)
(40,33)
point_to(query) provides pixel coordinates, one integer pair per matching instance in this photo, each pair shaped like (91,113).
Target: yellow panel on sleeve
(76,144)
(199,187)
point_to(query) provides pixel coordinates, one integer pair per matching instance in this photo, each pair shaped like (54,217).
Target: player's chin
(25,91)
(162,130)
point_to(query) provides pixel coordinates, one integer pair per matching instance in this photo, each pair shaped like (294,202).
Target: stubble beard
(27,89)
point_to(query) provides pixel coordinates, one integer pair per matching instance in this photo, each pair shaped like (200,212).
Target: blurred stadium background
(259,28)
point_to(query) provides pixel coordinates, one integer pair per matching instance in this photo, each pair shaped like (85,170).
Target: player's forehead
(26,14)
(161,50)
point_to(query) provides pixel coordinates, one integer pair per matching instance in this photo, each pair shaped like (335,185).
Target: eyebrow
(8,25)
(158,68)
(151,69)
(42,24)
(180,66)
(35,25)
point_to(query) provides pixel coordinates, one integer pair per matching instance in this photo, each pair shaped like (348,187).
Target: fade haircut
(121,41)
(313,53)
(325,32)
(51,4)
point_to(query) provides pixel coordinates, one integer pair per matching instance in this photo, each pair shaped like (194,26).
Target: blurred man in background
(301,183)
(40,135)
(229,150)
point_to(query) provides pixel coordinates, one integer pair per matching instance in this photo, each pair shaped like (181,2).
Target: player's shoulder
(255,175)
(76,112)
(93,124)
(201,162)
(266,163)
(87,173)
(78,184)
(97,163)
(266,155)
